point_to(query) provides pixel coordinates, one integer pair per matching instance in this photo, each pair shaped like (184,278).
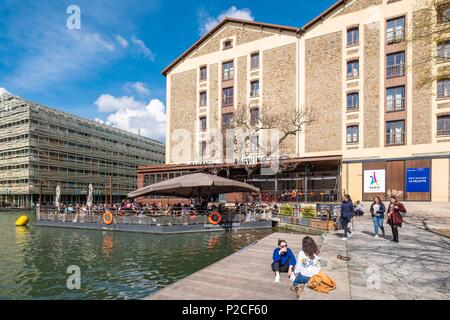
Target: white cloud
(109,103)
(122,41)
(139,87)
(142,48)
(208,22)
(128,114)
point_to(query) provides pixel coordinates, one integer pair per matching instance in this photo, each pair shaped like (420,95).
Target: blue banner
(418,180)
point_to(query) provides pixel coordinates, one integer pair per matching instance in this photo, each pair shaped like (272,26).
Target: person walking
(377,209)
(395,219)
(347,213)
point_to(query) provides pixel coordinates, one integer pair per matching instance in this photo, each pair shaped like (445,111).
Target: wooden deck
(245,275)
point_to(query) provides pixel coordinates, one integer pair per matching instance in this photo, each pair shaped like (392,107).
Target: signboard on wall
(418,180)
(374,181)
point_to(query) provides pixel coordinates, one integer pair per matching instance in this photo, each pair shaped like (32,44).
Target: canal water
(114,265)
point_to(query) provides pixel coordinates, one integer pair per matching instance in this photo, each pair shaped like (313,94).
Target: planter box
(318,224)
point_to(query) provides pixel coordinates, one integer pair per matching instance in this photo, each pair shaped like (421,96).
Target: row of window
(228,94)
(395,131)
(395,66)
(228,68)
(395,32)
(395,96)
(227,119)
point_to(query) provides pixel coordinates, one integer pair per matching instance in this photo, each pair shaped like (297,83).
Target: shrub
(286,210)
(308,212)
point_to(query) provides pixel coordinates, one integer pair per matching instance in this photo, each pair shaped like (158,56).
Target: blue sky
(110,69)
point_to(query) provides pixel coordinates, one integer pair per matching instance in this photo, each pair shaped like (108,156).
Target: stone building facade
(360,70)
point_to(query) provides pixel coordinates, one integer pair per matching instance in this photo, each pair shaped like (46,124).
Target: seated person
(308,263)
(359,209)
(283,260)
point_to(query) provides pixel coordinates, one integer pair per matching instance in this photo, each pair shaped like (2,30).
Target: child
(308,263)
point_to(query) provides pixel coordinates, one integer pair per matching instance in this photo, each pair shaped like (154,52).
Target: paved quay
(416,268)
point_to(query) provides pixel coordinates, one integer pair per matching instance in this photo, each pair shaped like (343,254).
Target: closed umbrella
(57,196)
(90,197)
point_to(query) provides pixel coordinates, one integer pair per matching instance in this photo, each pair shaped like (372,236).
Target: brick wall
(421,104)
(372,85)
(183,93)
(323,92)
(279,86)
(242,36)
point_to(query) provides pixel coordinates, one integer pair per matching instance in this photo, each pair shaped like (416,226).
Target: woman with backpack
(395,218)
(378,209)
(347,213)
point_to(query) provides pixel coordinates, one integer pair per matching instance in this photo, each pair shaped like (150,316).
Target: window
(227,120)
(443,125)
(395,98)
(352,37)
(202,99)
(352,101)
(352,69)
(254,143)
(203,124)
(227,44)
(254,88)
(395,30)
(203,73)
(444,13)
(443,88)
(443,51)
(395,65)
(228,71)
(352,134)
(254,116)
(254,60)
(227,97)
(395,132)
(203,148)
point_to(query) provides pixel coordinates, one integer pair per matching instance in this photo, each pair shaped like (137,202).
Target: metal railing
(395,138)
(395,70)
(395,36)
(155,219)
(395,104)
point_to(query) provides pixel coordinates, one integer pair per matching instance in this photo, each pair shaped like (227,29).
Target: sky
(102,59)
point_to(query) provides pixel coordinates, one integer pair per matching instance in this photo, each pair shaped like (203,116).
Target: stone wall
(421,104)
(213,96)
(280,87)
(371,85)
(242,82)
(358,5)
(242,36)
(323,92)
(183,94)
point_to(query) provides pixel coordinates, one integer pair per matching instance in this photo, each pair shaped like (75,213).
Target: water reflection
(113,265)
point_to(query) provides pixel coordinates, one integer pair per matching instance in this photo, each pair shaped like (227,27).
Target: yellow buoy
(22,221)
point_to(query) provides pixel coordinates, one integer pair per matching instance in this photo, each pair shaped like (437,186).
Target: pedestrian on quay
(377,209)
(395,218)
(347,213)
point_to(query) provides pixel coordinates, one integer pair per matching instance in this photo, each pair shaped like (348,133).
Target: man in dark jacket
(347,213)
(283,260)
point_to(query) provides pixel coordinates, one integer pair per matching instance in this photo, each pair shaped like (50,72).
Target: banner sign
(374,181)
(418,180)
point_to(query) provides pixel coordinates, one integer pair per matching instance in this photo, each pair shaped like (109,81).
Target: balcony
(395,105)
(395,36)
(395,70)
(397,138)
(227,101)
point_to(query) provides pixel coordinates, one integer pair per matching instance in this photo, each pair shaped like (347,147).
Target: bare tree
(427,35)
(288,124)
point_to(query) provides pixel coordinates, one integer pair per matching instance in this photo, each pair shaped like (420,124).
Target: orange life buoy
(215,218)
(107,218)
